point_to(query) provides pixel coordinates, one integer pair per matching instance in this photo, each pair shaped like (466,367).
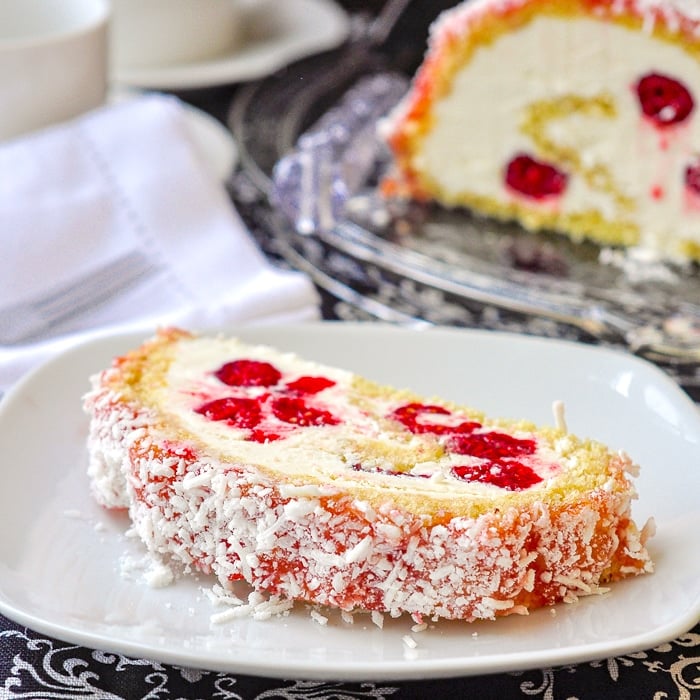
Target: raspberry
(411,414)
(511,475)
(310,385)
(533,178)
(665,101)
(248,373)
(238,412)
(692,176)
(298,412)
(263,436)
(493,445)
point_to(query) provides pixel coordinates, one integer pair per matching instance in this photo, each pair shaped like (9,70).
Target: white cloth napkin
(129,179)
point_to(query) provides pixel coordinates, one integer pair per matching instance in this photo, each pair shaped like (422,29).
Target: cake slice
(579,116)
(315,484)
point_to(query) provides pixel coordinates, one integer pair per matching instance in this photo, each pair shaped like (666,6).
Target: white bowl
(53,61)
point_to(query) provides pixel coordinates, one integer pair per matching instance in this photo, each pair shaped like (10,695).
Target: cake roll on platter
(578,116)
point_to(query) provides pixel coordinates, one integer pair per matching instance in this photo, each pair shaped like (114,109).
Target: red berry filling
(236,411)
(498,450)
(664,100)
(412,416)
(692,176)
(510,475)
(492,445)
(297,411)
(534,178)
(310,385)
(262,413)
(248,373)
(263,436)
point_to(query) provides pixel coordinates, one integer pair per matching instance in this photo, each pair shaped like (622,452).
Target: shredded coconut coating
(324,546)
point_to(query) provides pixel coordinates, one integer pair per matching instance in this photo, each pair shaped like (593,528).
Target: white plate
(296,28)
(60,554)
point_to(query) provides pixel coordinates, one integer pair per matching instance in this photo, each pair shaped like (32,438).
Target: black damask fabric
(34,666)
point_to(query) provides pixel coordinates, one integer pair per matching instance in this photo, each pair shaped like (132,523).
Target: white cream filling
(477,126)
(327,452)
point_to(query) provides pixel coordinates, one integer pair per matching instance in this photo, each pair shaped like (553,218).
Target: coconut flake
(559,416)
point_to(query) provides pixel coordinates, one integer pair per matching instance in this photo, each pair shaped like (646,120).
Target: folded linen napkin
(124,196)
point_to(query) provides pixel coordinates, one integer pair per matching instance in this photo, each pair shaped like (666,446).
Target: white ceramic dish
(294,29)
(53,62)
(214,141)
(62,558)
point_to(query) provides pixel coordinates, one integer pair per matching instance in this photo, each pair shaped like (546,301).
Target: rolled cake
(578,116)
(314,484)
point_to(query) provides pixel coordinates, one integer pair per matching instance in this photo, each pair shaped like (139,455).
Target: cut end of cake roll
(578,116)
(314,484)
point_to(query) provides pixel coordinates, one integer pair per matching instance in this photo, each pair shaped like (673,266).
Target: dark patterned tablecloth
(34,666)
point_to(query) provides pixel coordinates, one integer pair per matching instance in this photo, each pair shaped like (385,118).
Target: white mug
(53,61)
(157,33)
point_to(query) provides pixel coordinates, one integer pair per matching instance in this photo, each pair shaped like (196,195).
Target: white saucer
(212,139)
(295,29)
